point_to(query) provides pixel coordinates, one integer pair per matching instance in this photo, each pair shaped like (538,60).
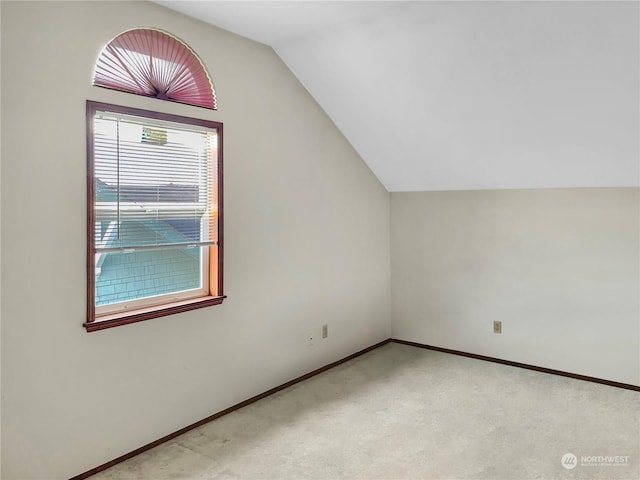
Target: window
(154,214)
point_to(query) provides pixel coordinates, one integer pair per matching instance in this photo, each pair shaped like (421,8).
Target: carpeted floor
(400,412)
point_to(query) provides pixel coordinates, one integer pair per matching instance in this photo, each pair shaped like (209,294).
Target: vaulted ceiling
(464,95)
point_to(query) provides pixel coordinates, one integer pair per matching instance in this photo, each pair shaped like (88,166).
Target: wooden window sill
(139,315)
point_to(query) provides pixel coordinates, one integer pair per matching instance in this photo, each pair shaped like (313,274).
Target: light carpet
(401,412)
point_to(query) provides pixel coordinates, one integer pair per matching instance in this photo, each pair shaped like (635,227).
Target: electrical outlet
(325,330)
(497,326)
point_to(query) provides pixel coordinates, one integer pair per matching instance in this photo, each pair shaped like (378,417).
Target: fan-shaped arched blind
(153,63)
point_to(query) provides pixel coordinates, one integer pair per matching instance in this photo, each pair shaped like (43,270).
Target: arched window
(154,63)
(154,186)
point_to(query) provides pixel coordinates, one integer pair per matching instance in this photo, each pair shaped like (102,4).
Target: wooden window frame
(216,295)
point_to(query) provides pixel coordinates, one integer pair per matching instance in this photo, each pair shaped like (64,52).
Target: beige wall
(306,230)
(558,267)
(307,242)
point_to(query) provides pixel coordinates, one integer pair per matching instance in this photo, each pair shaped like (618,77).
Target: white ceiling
(464,95)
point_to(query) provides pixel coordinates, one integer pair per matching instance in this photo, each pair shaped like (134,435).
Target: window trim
(146,313)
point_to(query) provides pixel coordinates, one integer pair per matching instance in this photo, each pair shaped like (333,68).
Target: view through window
(155,213)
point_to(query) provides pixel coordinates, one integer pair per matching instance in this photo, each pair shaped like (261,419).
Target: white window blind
(154,184)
